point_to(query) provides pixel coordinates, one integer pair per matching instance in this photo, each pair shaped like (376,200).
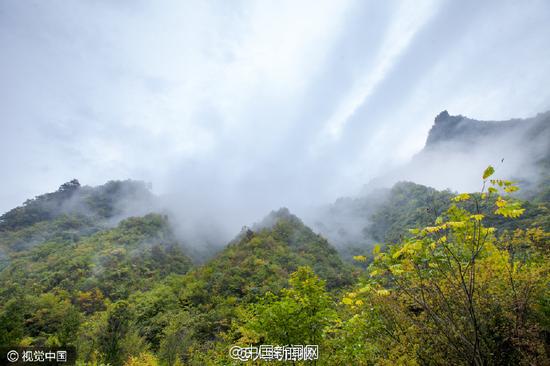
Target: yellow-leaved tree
(456,292)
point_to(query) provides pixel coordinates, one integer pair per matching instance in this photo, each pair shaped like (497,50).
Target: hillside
(400,273)
(111,201)
(260,260)
(455,147)
(67,259)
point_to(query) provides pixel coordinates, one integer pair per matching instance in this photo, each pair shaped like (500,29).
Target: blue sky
(252,105)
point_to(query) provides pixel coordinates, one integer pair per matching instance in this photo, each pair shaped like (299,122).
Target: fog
(233,109)
(459,149)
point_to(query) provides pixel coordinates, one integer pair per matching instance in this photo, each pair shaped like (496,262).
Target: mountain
(458,147)
(75,251)
(259,260)
(462,131)
(104,269)
(457,150)
(71,213)
(262,257)
(112,201)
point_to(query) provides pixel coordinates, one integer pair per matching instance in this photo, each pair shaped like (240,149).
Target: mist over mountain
(109,203)
(457,147)
(205,182)
(178,287)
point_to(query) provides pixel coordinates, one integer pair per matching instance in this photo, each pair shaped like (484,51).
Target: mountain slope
(113,200)
(261,259)
(209,298)
(458,147)
(131,256)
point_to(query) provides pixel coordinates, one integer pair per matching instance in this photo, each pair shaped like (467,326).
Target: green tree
(116,328)
(12,322)
(298,316)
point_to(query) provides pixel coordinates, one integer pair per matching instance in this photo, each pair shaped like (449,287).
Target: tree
(298,316)
(458,293)
(116,327)
(12,322)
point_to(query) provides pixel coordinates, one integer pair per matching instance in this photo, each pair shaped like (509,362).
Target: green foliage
(112,263)
(71,199)
(114,332)
(251,266)
(297,316)
(456,292)
(408,205)
(462,279)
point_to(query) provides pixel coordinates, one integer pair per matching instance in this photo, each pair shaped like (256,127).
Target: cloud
(232,109)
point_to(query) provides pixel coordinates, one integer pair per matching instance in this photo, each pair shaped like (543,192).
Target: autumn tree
(456,292)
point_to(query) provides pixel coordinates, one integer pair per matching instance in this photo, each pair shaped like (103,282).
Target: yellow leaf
(433,229)
(367,288)
(461,197)
(383,292)
(375,273)
(511,189)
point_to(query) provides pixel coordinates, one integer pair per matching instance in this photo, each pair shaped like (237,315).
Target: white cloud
(246,106)
(408,19)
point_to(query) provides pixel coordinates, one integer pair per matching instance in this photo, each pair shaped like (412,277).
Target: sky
(234,108)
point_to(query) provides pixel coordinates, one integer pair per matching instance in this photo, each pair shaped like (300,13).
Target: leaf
(376,249)
(347,301)
(376,272)
(461,197)
(367,288)
(511,189)
(488,172)
(383,292)
(360,258)
(396,269)
(477,217)
(433,229)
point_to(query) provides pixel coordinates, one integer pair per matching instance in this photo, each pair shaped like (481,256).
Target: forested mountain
(455,148)
(407,275)
(114,199)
